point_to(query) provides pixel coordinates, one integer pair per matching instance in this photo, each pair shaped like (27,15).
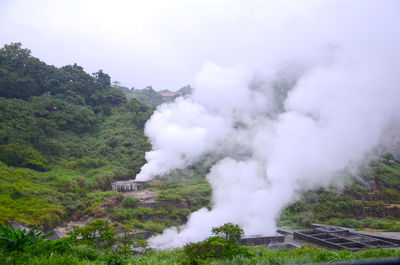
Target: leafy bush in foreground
(12,239)
(217,247)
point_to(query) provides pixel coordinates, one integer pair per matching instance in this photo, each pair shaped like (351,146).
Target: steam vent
(126,185)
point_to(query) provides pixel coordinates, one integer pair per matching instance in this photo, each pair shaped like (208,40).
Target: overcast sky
(165,43)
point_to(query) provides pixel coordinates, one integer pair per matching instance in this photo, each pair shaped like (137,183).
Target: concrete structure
(333,237)
(125,185)
(340,238)
(259,240)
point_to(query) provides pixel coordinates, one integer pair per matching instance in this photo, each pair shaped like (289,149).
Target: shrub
(16,155)
(217,247)
(114,259)
(85,252)
(12,239)
(214,248)
(129,202)
(86,163)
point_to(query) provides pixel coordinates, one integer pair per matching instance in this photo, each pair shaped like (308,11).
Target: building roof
(169,94)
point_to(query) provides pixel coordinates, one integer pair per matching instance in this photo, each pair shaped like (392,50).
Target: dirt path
(143,195)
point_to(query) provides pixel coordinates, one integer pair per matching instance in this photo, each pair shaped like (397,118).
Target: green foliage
(186,90)
(99,234)
(129,202)
(154,98)
(265,256)
(61,251)
(147,95)
(157,225)
(121,138)
(166,196)
(388,158)
(79,134)
(367,223)
(57,112)
(110,97)
(19,125)
(19,156)
(229,231)
(85,163)
(177,198)
(217,247)
(213,248)
(46,198)
(182,187)
(21,75)
(48,254)
(306,255)
(114,259)
(129,240)
(12,239)
(67,120)
(371,203)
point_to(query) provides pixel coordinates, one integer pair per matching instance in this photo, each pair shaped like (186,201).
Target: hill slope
(65,136)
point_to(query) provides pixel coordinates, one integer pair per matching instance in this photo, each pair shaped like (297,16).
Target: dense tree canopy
(66,112)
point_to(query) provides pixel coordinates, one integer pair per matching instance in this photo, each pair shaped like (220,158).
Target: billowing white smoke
(180,133)
(298,128)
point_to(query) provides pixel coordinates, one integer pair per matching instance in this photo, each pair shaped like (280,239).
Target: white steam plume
(299,125)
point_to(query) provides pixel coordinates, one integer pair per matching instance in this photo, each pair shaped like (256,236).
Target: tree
(129,240)
(216,246)
(229,231)
(103,236)
(76,82)
(21,75)
(99,234)
(102,80)
(149,96)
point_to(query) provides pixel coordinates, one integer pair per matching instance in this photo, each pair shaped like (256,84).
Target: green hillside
(65,136)
(372,201)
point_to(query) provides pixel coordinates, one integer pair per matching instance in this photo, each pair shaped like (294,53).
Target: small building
(125,185)
(169,94)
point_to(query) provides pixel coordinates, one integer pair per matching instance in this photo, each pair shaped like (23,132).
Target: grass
(385,225)
(80,255)
(302,255)
(46,198)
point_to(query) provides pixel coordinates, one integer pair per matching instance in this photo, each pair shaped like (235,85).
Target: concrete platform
(341,238)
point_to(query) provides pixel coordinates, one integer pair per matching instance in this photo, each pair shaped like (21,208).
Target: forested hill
(66,113)
(63,133)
